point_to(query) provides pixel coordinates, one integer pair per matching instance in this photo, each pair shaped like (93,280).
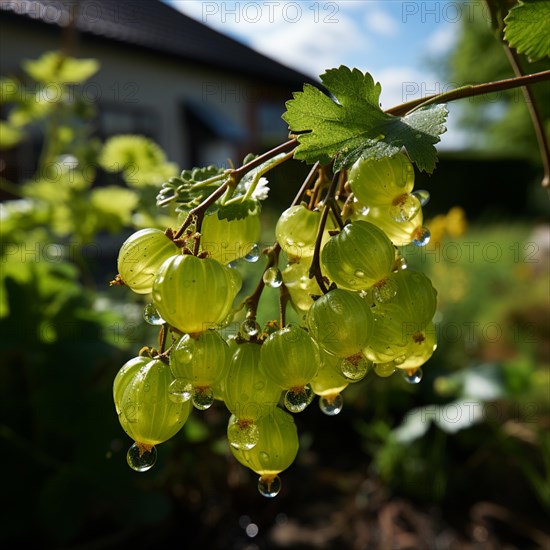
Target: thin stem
(252,301)
(283,148)
(162,338)
(347,206)
(267,169)
(336,212)
(315,269)
(198,211)
(284,297)
(469,91)
(308,182)
(534,113)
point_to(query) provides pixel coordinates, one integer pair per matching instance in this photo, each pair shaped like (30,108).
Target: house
(201,95)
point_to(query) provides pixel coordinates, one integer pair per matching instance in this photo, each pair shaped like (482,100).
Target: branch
(534,113)
(315,269)
(469,91)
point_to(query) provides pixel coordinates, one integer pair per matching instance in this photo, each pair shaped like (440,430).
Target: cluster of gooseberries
(359,309)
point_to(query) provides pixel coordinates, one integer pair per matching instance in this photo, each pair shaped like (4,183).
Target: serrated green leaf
(238,210)
(528,28)
(353,125)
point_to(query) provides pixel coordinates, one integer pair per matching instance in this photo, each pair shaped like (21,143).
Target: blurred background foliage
(461,460)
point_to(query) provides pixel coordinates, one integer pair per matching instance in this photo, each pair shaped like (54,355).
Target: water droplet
(272,277)
(384,290)
(400,264)
(331,405)
(364,211)
(421,236)
(184,350)
(152,316)
(384,369)
(253,255)
(404,208)
(250,329)
(359,273)
(355,367)
(413,376)
(203,398)
(264,458)
(180,390)
(141,457)
(269,486)
(297,399)
(242,434)
(423,196)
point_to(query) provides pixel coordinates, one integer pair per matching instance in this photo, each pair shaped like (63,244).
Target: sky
(397,41)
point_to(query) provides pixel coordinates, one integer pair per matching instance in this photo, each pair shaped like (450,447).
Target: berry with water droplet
(227,240)
(194,294)
(296,231)
(358,256)
(247,392)
(276,448)
(340,322)
(242,434)
(147,414)
(376,182)
(141,256)
(289,357)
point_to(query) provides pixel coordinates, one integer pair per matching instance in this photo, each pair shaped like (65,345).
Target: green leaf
(352,125)
(113,207)
(184,189)
(238,210)
(197,175)
(55,67)
(528,28)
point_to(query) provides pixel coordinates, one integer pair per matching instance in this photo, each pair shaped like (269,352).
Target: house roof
(158,27)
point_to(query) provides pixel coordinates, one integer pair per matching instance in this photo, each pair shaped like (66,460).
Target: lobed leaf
(351,124)
(528,28)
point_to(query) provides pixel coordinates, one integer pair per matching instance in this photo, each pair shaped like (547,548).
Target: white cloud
(303,35)
(442,40)
(380,22)
(315,47)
